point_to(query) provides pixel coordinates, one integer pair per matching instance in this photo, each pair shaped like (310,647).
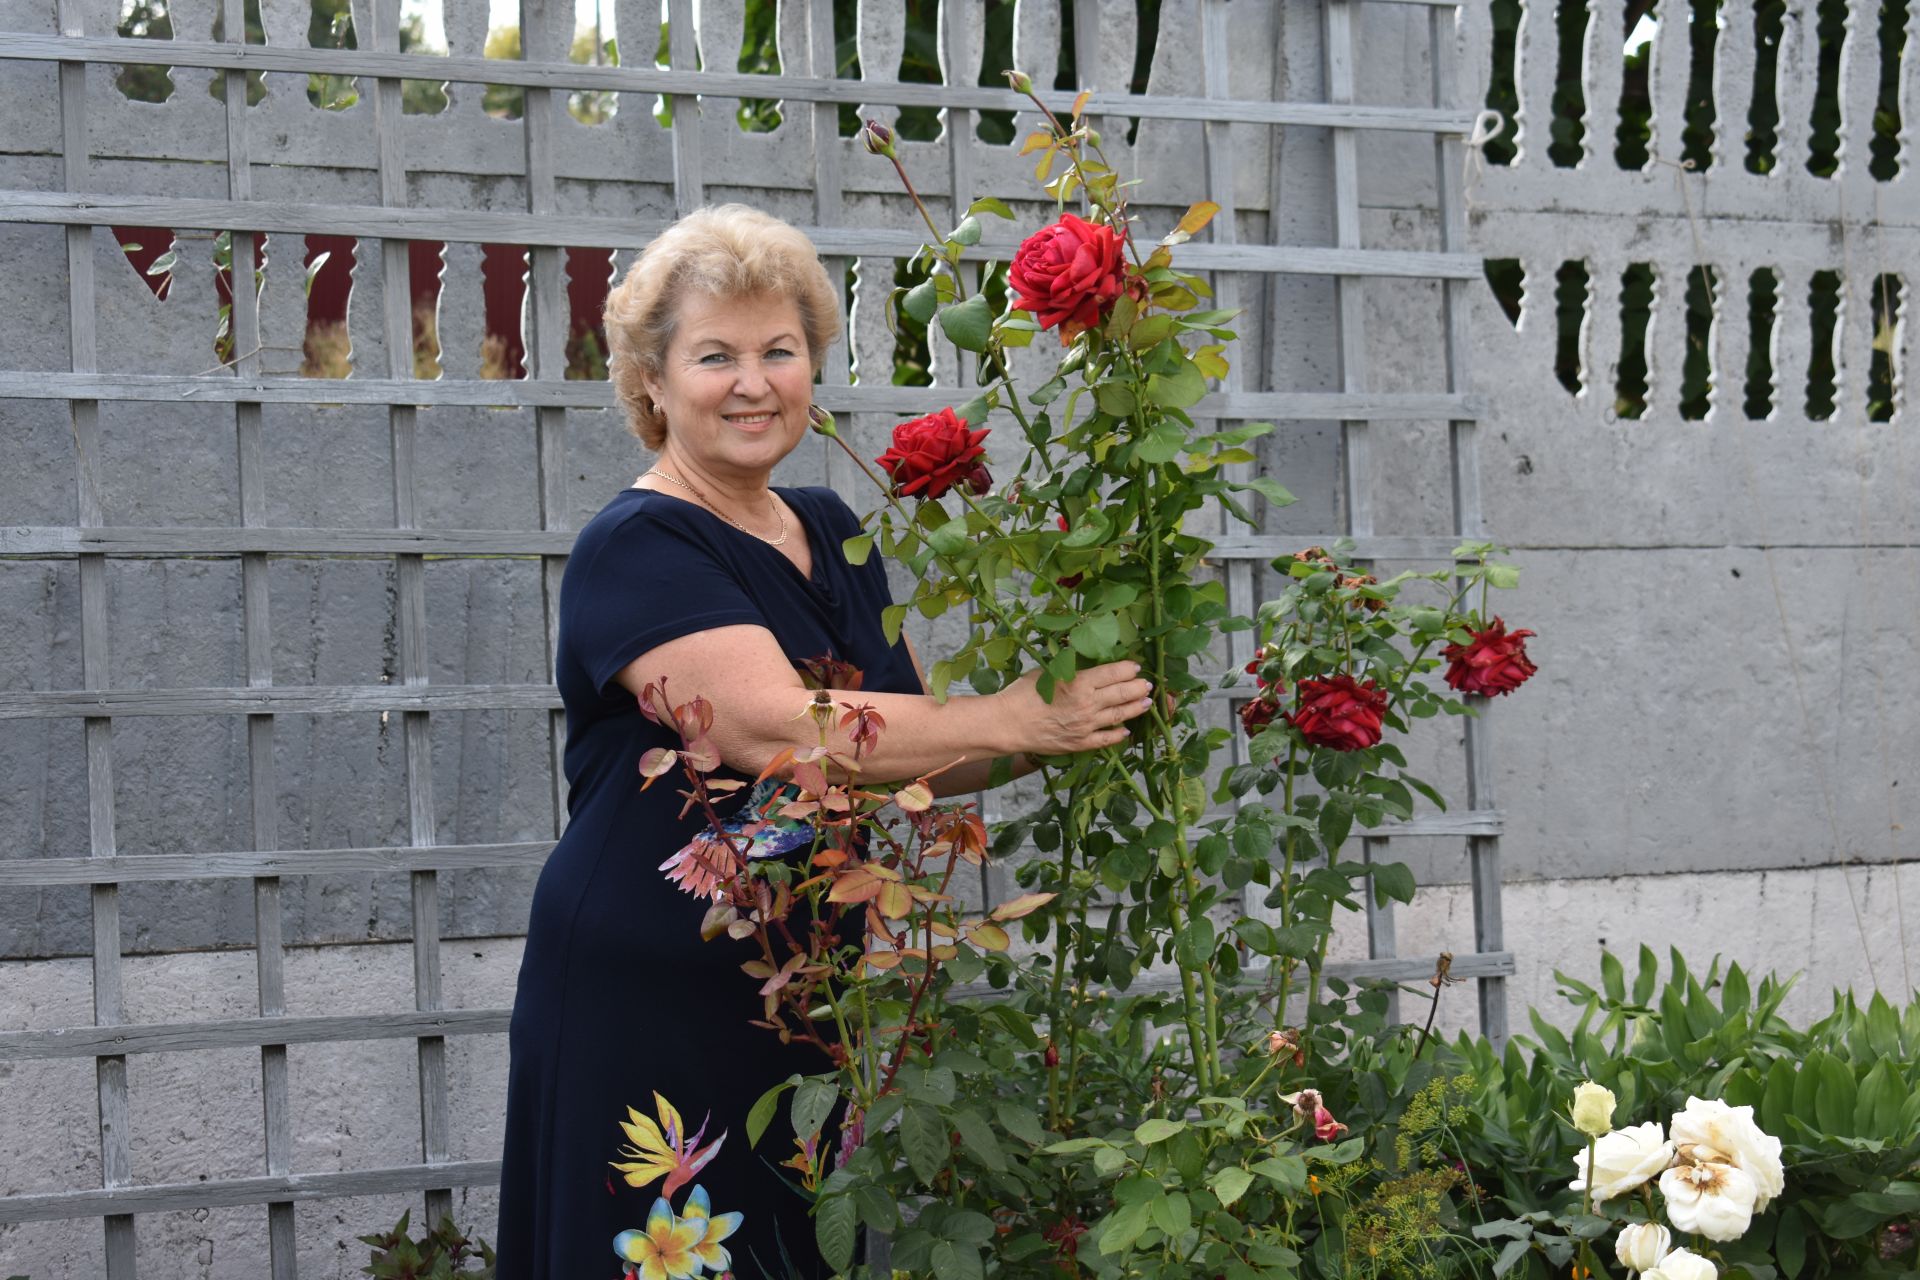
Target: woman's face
(735,384)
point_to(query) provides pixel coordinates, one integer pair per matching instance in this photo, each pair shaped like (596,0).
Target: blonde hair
(724,251)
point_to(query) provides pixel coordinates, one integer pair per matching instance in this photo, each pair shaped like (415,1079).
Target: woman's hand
(1088,712)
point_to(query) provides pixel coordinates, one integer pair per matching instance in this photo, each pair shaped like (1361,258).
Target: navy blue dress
(621,1005)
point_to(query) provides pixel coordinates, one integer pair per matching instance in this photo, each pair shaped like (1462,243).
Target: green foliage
(1843,1095)
(443,1253)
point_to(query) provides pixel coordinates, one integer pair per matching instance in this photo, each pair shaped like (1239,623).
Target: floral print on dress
(672,1246)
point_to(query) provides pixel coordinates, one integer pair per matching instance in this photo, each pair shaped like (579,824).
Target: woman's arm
(974,775)
(760,708)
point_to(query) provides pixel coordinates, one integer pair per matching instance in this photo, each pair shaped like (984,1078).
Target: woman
(703,575)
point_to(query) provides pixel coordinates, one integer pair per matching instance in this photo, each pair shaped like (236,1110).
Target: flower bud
(1020,81)
(822,422)
(1082,879)
(979,480)
(1051,1057)
(1641,1246)
(1683,1264)
(878,139)
(1593,1110)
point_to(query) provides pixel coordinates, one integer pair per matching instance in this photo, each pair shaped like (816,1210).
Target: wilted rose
(1308,1105)
(1495,662)
(1257,713)
(1623,1160)
(1708,1129)
(1339,712)
(1709,1198)
(1641,1246)
(1593,1109)
(1682,1264)
(1068,274)
(931,455)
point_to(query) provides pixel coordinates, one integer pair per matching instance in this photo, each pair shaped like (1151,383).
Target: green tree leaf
(923,1135)
(857,548)
(835,1224)
(764,1109)
(968,325)
(1157,1129)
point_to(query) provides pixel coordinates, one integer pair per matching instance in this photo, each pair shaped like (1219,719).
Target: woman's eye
(713,357)
(779,353)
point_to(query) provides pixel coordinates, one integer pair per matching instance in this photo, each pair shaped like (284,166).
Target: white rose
(1623,1160)
(1682,1265)
(1709,1198)
(1593,1109)
(1642,1246)
(1729,1135)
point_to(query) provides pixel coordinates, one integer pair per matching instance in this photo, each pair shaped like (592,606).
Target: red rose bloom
(1068,274)
(931,455)
(1339,712)
(1257,713)
(1496,661)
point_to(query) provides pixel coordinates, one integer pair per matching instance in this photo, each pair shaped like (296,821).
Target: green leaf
(764,1109)
(1179,389)
(1503,575)
(857,548)
(1271,490)
(967,234)
(967,1227)
(955,1262)
(1115,398)
(1171,1213)
(835,1224)
(1097,637)
(975,411)
(1194,947)
(1288,1172)
(1790,1242)
(1161,442)
(1230,1184)
(1019,1121)
(950,538)
(968,325)
(1157,1130)
(990,204)
(891,619)
(812,1104)
(923,1135)
(921,301)
(1833,1101)
(1123,1228)
(1392,881)
(976,1138)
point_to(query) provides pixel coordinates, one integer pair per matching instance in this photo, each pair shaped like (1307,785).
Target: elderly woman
(631,1043)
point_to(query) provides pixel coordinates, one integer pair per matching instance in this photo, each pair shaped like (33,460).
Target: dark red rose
(1257,713)
(1496,661)
(1068,274)
(1339,712)
(931,455)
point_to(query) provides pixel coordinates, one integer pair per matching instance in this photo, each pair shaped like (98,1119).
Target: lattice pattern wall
(420,492)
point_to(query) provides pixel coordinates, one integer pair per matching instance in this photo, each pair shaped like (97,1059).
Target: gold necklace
(708,503)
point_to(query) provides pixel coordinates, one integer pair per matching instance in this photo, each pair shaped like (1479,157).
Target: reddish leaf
(1025,904)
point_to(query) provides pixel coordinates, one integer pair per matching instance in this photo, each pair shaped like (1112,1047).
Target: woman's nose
(749,378)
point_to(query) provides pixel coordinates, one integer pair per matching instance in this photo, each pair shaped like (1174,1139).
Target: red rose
(1496,661)
(931,455)
(1068,274)
(1257,713)
(1339,712)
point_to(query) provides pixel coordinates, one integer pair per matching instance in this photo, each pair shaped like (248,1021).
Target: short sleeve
(647,582)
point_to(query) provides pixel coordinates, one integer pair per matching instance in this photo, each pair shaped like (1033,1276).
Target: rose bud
(1642,1246)
(878,139)
(822,422)
(979,480)
(1051,1056)
(1494,663)
(1339,712)
(1593,1109)
(931,455)
(1019,81)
